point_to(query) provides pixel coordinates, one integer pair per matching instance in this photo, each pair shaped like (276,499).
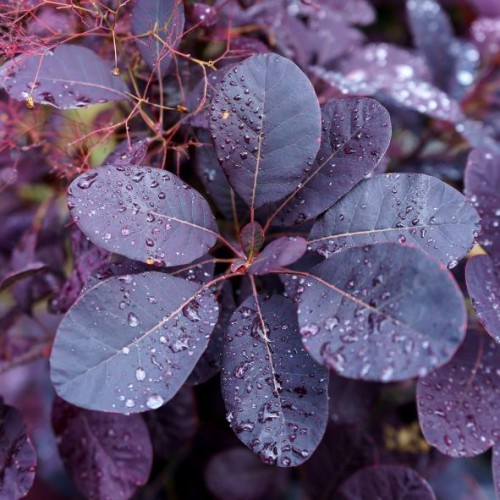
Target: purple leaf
(128,153)
(20,274)
(229,470)
(106,455)
(487,7)
(389,482)
(215,182)
(265,141)
(384,312)
(354,11)
(173,425)
(483,284)
(486,35)
(251,239)
(279,253)
(18,458)
(153,20)
(211,360)
(496,470)
(67,77)
(458,403)
(408,208)
(482,187)
(135,353)
(352,401)
(146,214)
(355,135)
(276,396)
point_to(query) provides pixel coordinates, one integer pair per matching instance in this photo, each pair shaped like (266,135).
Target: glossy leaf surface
(128,153)
(483,284)
(355,135)
(482,187)
(407,208)
(389,482)
(67,77)
(383,312)
(279,253)
(251,238)
(18,457)
(458,404)
(266,125)
(106,455)
(158,27)
(130,342)
(275,394)
(142,213)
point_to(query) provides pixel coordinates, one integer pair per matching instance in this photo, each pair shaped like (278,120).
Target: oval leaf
(67,77)
(355,135)
(142,213)
(405,208)
(276,396)
(383,312)
(279,253)
(128,153)
(389,482)
(266,125)
(483,284)
(458,404)
(144,336)
(251,239)
(18,457)
(106,455)
(158,26)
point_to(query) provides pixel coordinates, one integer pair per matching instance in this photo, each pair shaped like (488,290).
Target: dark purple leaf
(18,458)
(265,141)
(153,20)
(145,335)
(389,482)
(482,187)
(173,425)
(279,253)
(142,213)
(458,404)
(106,455)
(251,239)
(276,396)
(355,135)
(483,284)
(433,36)
(487,7)
(496,470)
(67,77)
(25,272)
(211,360)
(239,475)
(215,182)
(344,450)
(384,312)
(407,208)
(352,401)
(128,153)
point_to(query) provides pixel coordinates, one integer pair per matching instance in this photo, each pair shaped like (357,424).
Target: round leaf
(384,312)
(142,213)
(276,396)
(279,253)
(130,342)
(266,125)
(407,208)
(459,404)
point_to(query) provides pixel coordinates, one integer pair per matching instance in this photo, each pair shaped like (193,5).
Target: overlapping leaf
(407,208)
(106,455)
(275,394)
(266,126)
(382,312)
(128,153)
(67,77)
(158,26)
(142,213)
(458,404)
(483,284)
(130,342)
(355,135)
(279,253)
